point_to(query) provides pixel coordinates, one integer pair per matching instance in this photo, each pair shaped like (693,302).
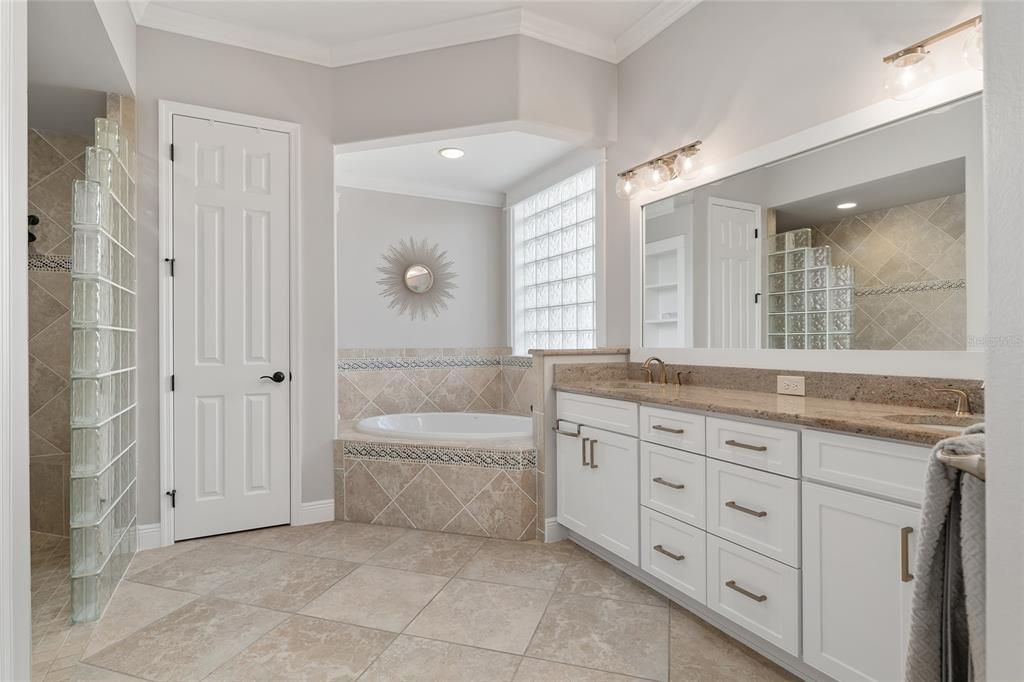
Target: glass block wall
(810,301)
(103,388)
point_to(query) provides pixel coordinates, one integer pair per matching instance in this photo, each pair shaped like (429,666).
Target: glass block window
(553,266)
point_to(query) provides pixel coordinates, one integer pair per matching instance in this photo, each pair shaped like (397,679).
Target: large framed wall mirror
(873,242)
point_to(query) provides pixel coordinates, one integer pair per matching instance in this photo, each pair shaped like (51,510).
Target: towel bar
(972,464)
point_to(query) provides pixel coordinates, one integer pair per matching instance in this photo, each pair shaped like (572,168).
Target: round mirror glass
(419,279)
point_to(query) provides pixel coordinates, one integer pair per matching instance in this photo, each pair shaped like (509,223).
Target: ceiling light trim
(650,25)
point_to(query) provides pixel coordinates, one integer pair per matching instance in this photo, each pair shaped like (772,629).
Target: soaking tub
(448,426)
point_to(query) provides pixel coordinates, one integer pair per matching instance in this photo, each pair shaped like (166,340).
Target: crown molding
(501,24)
(650,25)
(425,190)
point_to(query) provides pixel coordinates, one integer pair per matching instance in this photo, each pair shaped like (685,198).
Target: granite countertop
(609,350)
(854,417)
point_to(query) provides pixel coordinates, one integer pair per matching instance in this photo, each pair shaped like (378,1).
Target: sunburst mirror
(418,278)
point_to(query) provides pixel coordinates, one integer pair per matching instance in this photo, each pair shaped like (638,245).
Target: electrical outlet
(790,385)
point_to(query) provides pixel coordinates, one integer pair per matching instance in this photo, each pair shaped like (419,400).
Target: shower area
(82,379)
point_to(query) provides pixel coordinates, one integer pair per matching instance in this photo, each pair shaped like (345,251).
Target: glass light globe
(655,176)
(909,76)
(627,185)
(689,165)
(973,49)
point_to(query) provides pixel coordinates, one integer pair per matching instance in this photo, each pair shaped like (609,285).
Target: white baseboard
(320,511)
(148,536)
(554,531)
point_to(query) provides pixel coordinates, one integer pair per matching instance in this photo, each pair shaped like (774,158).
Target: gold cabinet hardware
(731,504)
(905,574)
(593,455)
(731,584)
(583,451)
(675,486)
(667,429)
(557,428)
(746,446)
(661,550)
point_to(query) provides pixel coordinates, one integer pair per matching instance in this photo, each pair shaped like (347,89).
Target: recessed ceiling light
(847,205)
(451,152)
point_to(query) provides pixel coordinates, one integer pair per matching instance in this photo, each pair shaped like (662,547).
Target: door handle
(276,377)
(593,456)
(905,574)
(583,451)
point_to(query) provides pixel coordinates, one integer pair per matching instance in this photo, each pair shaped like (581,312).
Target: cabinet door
(575,507)
(857,583)
(615,492)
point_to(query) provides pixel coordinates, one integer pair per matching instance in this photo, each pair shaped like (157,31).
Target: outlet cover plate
(790,385)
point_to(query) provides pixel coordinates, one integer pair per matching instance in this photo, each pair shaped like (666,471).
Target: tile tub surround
(375,381)
(487,492)
(403,605)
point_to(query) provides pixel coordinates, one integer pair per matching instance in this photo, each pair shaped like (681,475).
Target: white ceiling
(339,33)
(493,164)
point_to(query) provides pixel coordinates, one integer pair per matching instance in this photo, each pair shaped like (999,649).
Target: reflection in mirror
(419,279)
(861,244)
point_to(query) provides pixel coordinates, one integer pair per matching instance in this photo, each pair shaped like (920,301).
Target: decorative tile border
(491,458)
(523,361)
(429,362)
(46,263)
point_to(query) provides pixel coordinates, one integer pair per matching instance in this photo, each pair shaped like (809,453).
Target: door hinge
(757,297)
(172,494)
(170,261)
(172,152)
(756,233)
(172,382)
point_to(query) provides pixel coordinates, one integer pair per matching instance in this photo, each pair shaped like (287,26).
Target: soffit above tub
(492,164)
(342,33)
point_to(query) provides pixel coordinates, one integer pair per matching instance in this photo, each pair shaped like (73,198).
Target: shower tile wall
(914,243)
(375,381)
(55,161)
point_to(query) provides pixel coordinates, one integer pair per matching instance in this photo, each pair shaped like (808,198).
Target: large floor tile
(411,659)
(133,607)
(285,582)
(536,670)
(591,577)
(149,558)
(377,597)
(700,652)
(189,643)
(605,634)
(426,552)
(306,649)
(205,568)
(486,615)
(517,563)
(88,673)
(349,541)
(281,538)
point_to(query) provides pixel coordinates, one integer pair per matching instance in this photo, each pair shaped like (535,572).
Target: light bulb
(627,185)
(655,176)
(688,165)
(909,75)
(973,53)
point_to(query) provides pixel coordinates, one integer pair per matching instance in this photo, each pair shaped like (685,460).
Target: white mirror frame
(966,364)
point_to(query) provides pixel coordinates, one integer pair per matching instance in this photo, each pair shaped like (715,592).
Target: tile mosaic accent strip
(911,287)
(491,458)
(46,263)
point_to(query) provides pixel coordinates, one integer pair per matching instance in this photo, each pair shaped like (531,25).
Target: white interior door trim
(167,110)
(758,212)
(15,588)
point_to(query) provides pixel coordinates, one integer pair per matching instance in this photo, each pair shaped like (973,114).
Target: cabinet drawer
(672,482)
(754,445)
(879,467)
(755,592)
(602,413)
(683,430)
(758,510)
(674,553)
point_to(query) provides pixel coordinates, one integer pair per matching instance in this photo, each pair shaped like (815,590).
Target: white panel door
(733,273)
(614,488)
(858,583)
(231,327)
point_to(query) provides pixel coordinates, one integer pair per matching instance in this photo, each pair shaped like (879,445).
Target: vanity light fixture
(653,174)
(910,71)
(846,205)
(451,152)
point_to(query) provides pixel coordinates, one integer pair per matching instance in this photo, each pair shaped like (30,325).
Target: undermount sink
(942,421)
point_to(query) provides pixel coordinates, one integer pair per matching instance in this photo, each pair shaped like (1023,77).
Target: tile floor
(347,601)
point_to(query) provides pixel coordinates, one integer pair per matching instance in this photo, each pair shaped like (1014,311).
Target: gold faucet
(963,401)
(650,374)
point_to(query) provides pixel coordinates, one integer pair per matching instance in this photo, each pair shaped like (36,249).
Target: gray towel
(947,622)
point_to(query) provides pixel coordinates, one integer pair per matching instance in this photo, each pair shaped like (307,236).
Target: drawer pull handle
(593,455)
(583,451)
(661,550)
(746,446)
(675,486)
(905,574)
(731,504)
(731,584)
(557,428)
(667,429)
